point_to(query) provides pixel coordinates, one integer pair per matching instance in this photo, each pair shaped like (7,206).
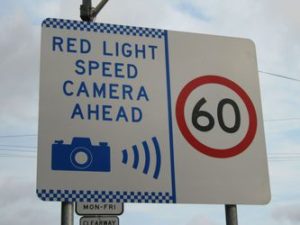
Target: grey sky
(273,25)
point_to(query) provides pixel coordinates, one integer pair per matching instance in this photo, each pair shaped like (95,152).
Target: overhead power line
(280,120)
(277,157)
(17,156)
(18,146)
(280,76)
(18,150)
(18,136)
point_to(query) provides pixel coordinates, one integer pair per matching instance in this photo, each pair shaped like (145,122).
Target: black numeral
(197,113)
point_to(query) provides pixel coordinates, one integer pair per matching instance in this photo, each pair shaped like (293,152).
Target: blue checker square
(95,196)
(104,28)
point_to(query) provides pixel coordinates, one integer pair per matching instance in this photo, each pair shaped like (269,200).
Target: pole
(87,12)
(231,215)
(99,7)
(67,213)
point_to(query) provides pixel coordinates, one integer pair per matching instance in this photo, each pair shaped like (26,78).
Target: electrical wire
(17,150)
(278,157)
(281,120)
(17,156)
(17,136)
(18,146)
(280,76)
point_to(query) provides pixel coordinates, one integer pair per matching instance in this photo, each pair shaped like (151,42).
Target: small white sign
(99,208)
(99,220)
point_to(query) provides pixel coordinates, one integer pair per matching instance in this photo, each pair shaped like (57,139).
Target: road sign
(142,115)
(99,208)
(198,83)
(112,220)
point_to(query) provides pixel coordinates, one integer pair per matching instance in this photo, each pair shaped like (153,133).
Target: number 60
(197,113)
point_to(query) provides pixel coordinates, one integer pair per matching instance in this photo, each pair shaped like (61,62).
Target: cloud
(287,214)
(201,220)
(19,65)
(193,11)
(19,204)
(271,24)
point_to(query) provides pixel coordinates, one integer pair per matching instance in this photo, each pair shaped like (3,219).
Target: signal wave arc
(147,157)
(158,157)
(125,156)
(136,157)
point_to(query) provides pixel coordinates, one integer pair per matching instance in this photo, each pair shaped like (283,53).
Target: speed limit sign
(198,114)
(219,144)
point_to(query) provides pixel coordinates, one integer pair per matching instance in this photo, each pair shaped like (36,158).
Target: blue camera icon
(81,155)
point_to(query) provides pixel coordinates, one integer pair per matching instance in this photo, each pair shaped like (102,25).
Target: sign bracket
(89,13)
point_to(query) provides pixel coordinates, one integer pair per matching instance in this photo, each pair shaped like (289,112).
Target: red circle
(180,116)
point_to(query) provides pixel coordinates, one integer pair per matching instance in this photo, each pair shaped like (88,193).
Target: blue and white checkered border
(104,196)
(103,28)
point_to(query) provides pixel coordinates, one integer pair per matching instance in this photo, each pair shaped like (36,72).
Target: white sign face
(144,115)
(99,220)
(99,208)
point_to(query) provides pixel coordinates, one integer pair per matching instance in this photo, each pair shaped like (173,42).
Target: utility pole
(88,13)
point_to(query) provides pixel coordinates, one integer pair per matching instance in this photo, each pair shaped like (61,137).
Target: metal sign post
(231,215)
(67,213)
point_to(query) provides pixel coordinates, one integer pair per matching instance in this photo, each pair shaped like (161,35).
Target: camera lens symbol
(81,158)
